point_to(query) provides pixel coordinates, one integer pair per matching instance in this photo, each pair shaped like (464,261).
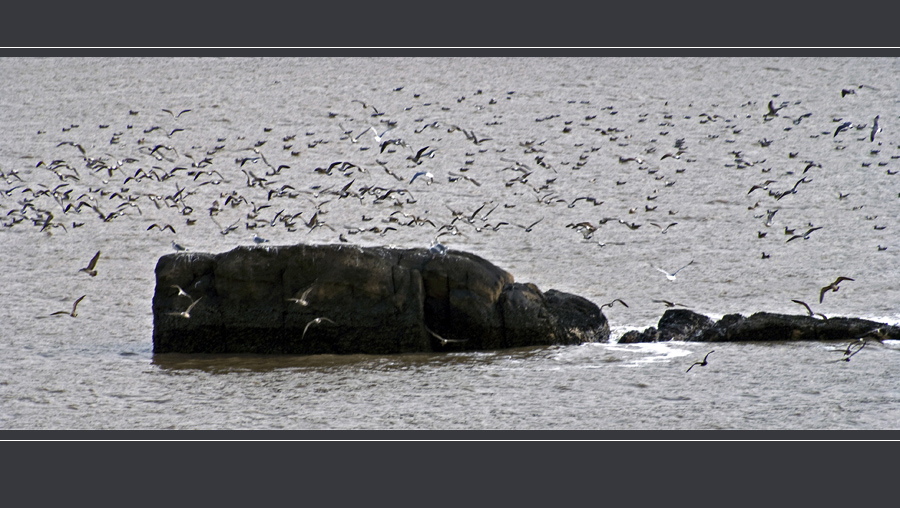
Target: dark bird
(703,362)
(833,287)
(875,129)
(804,236)
(669,304)
(89,269)
(663,230)
(842,127)
(316,321)
(845,92)
(848,354)
(610,304)
(773,111)
(809,310)
(161,228)
(74,307)
(178,115)
(529,228)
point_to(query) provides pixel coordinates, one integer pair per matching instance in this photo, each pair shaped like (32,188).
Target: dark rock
(634,336)
(763,326)
(375,300)
(681,324)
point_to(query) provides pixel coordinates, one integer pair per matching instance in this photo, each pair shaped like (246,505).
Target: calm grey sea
(656,142)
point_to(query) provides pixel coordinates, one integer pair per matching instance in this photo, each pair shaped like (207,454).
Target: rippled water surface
(565,127)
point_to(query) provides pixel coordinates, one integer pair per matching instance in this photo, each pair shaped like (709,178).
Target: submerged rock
(373,300)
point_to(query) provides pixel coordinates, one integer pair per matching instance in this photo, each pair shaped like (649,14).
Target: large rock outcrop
(686,325)
(373,300)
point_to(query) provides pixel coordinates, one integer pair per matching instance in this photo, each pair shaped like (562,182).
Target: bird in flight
(187,312)
(74,307)
(89,269)
(316,321)
(842,127)
(610,304)
(701,363)
(671,276)
(443,340)
(178,115)
(302,295)
(833,287)
(809,310)
(875,129)
(848,354)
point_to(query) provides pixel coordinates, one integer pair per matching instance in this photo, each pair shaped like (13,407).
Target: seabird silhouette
(89,269)
(701,363)
(842,127)
(809,310)
(875,129)
(74,307)
(610,304)
(833,287)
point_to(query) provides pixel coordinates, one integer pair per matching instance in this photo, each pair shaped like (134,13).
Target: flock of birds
(147,169)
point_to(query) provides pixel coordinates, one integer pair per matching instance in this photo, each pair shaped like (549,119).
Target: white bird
(378,136)
(258,239)
(178,247)
(187,313)
(315,322)
(443,340)
(671,276)
(302,295)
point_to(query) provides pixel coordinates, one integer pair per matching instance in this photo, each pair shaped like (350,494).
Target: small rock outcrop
(686,325)
(337,299)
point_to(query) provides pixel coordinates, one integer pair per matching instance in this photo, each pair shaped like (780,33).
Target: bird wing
(822,293)
(683,267)
(191,306)
(805,305)
(76,303)
(93,262)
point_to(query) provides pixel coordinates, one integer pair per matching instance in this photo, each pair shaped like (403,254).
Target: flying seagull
(186,313)
(302,295)
(811,313)
(671,276)
(315,322)
(74,306)
(875,129)
(610,304)
(842,127)
(848,354)
(701,363)
(443,340)
(89,269)
(833,287)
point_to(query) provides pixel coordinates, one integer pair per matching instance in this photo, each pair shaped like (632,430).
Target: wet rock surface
(337,299)
(689,326)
